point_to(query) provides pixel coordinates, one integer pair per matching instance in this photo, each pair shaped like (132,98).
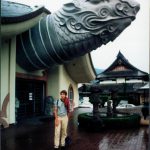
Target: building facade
(43,53)
(23,92)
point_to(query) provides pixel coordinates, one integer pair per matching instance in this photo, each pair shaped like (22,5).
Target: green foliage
(105,98)
(95,98)
(124,121)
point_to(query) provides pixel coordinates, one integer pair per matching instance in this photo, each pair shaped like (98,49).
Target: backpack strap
(57,103)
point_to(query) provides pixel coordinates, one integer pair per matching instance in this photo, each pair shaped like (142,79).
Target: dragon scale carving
(76,29)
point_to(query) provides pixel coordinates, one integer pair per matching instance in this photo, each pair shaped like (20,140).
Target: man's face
(63,96)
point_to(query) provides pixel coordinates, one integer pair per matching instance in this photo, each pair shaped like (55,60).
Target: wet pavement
(38,134)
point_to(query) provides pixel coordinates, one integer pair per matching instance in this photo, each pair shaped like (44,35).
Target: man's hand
(57,121)
(70,115)
(56,117)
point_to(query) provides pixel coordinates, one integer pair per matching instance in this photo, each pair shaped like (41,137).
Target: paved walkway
(38,134)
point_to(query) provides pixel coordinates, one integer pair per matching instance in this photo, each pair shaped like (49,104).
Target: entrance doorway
(30,94)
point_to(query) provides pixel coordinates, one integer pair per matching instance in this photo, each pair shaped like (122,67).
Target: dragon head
(104,18)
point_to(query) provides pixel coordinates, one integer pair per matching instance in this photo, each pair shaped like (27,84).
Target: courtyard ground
(38,134)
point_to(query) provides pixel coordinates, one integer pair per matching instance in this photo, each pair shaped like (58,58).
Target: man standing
(61,113)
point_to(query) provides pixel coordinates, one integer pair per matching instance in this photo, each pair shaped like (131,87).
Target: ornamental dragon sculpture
(76,29)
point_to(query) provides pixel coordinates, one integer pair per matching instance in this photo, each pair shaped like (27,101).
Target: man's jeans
(61,130)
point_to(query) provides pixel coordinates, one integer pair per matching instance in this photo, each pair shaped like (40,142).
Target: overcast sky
(133,42)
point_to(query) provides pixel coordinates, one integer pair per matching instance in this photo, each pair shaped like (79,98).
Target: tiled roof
(130,71)
(12,12)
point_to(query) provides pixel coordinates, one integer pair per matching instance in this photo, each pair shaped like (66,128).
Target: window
(70,93)
(71,96)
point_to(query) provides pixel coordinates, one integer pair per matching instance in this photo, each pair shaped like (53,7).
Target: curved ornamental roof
(17,18)
(12,12)
(121,68)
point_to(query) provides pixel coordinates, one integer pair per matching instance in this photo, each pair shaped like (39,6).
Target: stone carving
(76,29)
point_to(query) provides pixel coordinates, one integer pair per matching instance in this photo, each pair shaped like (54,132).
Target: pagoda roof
(122,68)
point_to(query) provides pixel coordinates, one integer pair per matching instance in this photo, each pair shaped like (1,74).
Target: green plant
(118,121)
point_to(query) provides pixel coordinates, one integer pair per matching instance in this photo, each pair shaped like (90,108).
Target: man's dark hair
(63,92)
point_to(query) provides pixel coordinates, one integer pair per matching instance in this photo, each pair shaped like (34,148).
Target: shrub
(122,121)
